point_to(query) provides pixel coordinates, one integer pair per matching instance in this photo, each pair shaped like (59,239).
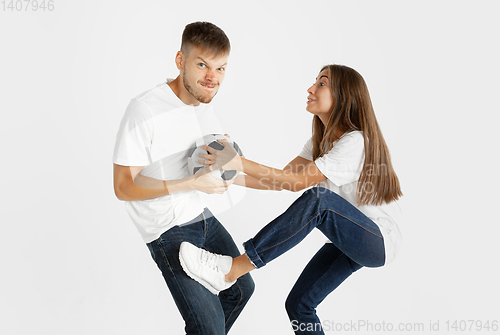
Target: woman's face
(320,99)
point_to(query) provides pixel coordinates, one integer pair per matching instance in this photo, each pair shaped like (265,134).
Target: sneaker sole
(196,278)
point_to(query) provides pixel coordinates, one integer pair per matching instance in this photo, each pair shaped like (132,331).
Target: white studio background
(71,260)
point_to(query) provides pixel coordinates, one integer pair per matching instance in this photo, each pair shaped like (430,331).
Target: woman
(354,205)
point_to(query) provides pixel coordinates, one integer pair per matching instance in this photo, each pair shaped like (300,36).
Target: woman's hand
(226,159)
(206,183)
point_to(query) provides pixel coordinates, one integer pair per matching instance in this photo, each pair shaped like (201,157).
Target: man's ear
(179,60)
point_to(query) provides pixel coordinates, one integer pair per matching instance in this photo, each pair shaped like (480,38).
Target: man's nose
(211,75)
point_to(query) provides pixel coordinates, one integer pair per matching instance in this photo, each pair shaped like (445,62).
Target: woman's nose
(310,90)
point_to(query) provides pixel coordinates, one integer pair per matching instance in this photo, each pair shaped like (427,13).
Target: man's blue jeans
(203,312)
(356,242)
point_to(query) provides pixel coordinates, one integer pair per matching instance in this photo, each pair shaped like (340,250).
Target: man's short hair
(206,36)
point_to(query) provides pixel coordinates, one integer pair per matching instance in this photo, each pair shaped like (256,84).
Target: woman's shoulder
(349,146)
(352,135)
(350,139)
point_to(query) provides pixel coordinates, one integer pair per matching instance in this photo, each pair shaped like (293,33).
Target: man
(158,130)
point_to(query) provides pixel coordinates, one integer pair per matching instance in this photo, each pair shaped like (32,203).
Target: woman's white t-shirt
(342,166)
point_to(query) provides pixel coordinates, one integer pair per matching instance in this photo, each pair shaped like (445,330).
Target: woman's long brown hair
(352,110)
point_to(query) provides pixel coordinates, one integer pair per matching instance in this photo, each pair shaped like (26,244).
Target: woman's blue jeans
(356,242)
(203,312)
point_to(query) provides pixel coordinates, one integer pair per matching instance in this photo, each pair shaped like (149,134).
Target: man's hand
(226,159)
(205,182)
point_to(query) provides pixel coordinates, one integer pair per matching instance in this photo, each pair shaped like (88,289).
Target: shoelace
(209,259)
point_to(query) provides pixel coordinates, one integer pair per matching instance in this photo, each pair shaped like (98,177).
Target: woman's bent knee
(292,303)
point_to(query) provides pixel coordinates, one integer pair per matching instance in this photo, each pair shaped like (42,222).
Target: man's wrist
(243,162)
(174,186)
(187,184)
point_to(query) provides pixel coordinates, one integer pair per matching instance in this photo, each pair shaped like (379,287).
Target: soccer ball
(212,141)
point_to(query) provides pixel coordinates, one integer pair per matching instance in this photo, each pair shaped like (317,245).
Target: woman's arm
(298,175)
(310,175)
(296,165)
(251,182)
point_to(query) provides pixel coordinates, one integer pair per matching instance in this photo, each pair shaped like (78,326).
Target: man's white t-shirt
(157,131)
(342,166)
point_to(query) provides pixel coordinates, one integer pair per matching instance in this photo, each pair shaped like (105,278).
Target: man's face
(202,75)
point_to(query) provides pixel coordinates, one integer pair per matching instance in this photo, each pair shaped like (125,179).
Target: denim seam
(205,229)
(241,298)
(179,286)
(153,250)
(353,222)
(310,222)
(251,261)
(317,279)
(256,252)
(259,259)
(289,237)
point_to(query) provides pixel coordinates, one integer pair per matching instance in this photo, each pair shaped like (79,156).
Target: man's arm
(130,185)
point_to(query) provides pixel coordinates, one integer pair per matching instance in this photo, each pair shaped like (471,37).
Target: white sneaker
(206,268)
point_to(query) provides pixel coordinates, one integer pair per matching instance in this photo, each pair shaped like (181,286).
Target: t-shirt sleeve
(307,150)
(134,138)
(344,162)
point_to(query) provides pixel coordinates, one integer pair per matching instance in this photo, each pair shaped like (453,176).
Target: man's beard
(191,91)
